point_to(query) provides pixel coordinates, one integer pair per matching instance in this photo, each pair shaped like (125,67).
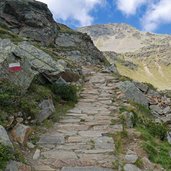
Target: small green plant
(65,91)
(139,163)
(9,94)
(151,86)
(6,154)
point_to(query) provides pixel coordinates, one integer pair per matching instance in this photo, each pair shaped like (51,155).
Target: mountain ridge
(151,52)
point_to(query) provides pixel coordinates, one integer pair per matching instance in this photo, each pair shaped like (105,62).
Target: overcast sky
(147,15)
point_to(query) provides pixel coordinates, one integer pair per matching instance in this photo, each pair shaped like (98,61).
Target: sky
(146,15)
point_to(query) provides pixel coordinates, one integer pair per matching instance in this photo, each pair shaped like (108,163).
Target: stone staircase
(81,141)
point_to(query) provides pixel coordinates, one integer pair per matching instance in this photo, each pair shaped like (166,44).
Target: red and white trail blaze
(15,67)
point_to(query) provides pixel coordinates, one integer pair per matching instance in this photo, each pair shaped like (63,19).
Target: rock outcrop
(156,102)
(33,20)
(29,18)
(33,62)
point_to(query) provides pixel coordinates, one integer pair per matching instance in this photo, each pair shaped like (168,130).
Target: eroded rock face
(29,18)
(33,61)
(80,45)
(32,19)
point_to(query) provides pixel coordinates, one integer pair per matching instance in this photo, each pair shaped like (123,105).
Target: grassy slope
(155,77)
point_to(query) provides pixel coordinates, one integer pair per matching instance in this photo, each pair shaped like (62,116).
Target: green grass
(157,150)
(6,154)
(153,136)
(65,92)
(4,34)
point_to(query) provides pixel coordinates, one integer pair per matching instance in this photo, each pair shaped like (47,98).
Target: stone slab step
(85,169)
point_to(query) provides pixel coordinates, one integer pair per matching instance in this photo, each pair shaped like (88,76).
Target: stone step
(85,169)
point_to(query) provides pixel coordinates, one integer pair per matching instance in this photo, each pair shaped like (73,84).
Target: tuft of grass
(61,110)
(7,154)
(139,163)
(157,150)
(119,143)
(65,92)
(4,34)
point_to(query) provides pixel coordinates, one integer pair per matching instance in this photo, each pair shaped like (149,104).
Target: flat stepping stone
(90,133)
(72,127)
(75,110)
(96,151)
(59,155)
(52,139)
(43,168)
(104,143)
(85,169)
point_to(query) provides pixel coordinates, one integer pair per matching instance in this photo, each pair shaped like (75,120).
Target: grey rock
(131,167)
(20,133)
(143,87)
(131,157)
(67,40)
(36,155)
(111,69)
(32,60)
(167,110)
(4,138)
(169,137)
(81,48)
(47,109)
(128,117)
(104,143)
(133,93)
(61,81)
(17,166)
(85,169)
(52,139)
(156,109)
(35,21)
(30,145)
(153,93)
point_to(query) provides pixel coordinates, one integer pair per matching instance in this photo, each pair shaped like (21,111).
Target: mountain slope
(151,53)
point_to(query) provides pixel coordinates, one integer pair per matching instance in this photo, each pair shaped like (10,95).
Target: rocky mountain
(63,107)
(142,56)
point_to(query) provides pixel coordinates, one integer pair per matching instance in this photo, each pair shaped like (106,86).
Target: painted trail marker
(15,67)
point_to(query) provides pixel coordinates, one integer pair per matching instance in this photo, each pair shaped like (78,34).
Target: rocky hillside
(64,108)
(40,72)
(148,52)
(29,35)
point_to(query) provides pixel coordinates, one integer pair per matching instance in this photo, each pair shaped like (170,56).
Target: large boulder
(133,93)
(29,18)
(33,61)
(47,108)
(20,133)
